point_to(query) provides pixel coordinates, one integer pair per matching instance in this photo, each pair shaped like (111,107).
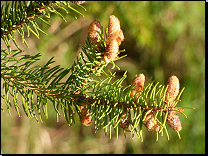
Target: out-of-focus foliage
(161,39)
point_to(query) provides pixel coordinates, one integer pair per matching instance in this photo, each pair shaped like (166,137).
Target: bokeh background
(161,39)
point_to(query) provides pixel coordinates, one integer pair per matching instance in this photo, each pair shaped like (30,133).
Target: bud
(174,121)
(111,51)
(114,31)
(139,82)
(93,31)
(150,123)
(173,89)
(86,118)
(125,124)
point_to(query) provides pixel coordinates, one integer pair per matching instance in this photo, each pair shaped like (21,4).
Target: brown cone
(139,82)
(173,89)
(125,124)
(111,51)
(174,121)
(86,118)
(114,31)
(150,123)
(93,31)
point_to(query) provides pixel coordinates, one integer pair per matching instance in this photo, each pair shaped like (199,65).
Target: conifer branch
(18,14)
(87,87)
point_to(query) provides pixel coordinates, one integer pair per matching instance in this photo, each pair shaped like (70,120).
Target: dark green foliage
(17,14)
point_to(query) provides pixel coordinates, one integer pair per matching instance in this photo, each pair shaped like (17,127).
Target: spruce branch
(17,14)
(88,88)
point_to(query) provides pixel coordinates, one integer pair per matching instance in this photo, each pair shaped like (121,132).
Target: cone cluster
(139,82)
(173,90)
(149,122)
(114,39)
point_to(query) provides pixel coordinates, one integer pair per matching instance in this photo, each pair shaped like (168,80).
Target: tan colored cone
(125,124)
(86,118)
(93,31)
(139,82)
(114,31)
(150,123)
(111,51)
(174,121)
(173,89)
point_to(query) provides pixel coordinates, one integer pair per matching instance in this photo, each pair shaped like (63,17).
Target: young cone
(173,89)
(115,36)
(150,123)
(125,123)
(114,30)
(93,32)
(111,51)
(174,121)
(139,82)
(86,118)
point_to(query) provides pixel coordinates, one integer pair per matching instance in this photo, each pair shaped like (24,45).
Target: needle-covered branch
(88,88)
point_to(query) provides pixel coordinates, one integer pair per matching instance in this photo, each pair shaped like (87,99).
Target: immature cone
(111,51)
(173,89)
(115,36)
(93,31)
(86,118)
(139,82)
(125,123)
(114,31)
(174,121)
(150,123)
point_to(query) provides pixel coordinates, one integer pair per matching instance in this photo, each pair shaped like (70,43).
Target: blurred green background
(161,39)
